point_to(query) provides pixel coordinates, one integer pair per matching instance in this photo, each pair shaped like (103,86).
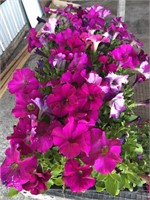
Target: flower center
(104,150)
(114,82)
(25,82)
(90,97)
(30,106)
(65,100)
(14,166)
(80,172)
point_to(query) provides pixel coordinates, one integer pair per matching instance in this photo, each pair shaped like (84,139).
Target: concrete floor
(137,17)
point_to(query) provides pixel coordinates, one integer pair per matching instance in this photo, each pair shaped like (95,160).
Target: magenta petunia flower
(16,172)
(24,107)
(118,29)
(33,40)
(20,136)
(77,177)
(75,44)
(37,181)
(90,96)
(23,81)
(126,56)
(62,100)
(94,78)
(62,37)
(116,81)
(94,17)
(100,10)
(104,153)
(117,105)
(41,138)
(72,139)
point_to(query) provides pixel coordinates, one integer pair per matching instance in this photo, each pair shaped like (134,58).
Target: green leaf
(50,183)
(139,148)
(100,186)
(133,178)
(101,177)
(58,181)
(56,171)
(112,186)
(12,192)
(115,176)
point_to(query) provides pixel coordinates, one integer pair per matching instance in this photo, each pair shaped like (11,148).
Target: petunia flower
(41,138)
(23,81)
(49,26)
(100,10)
(104,153)
(72,139)
(144,69)
(126,56)
(77,177)
(16,172)
(25,106)
(94,78)
(37,181)
(116,81)
(20,136)
(117,105)
(33,40)
(62,100)
(90,96)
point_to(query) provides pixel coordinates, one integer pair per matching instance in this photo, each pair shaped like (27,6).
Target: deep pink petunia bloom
(16,172)
(77,177)
(117,105)
(79,62)
(62,100)
(85,114)
(24,107)
(94,17)
(37,181)
(23,81)
(33,40)
(41,138)
(118,29)
(104,153)
(90,96)
(94,78)
(63,36)
(100,10)
(72,139)
(126,56)
(20,136)
(75,44)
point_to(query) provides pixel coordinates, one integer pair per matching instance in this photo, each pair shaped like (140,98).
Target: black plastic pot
(140,194)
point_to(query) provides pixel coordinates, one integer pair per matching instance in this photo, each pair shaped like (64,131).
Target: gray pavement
(137,17)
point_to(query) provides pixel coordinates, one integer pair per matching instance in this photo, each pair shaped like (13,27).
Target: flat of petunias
(77,126)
